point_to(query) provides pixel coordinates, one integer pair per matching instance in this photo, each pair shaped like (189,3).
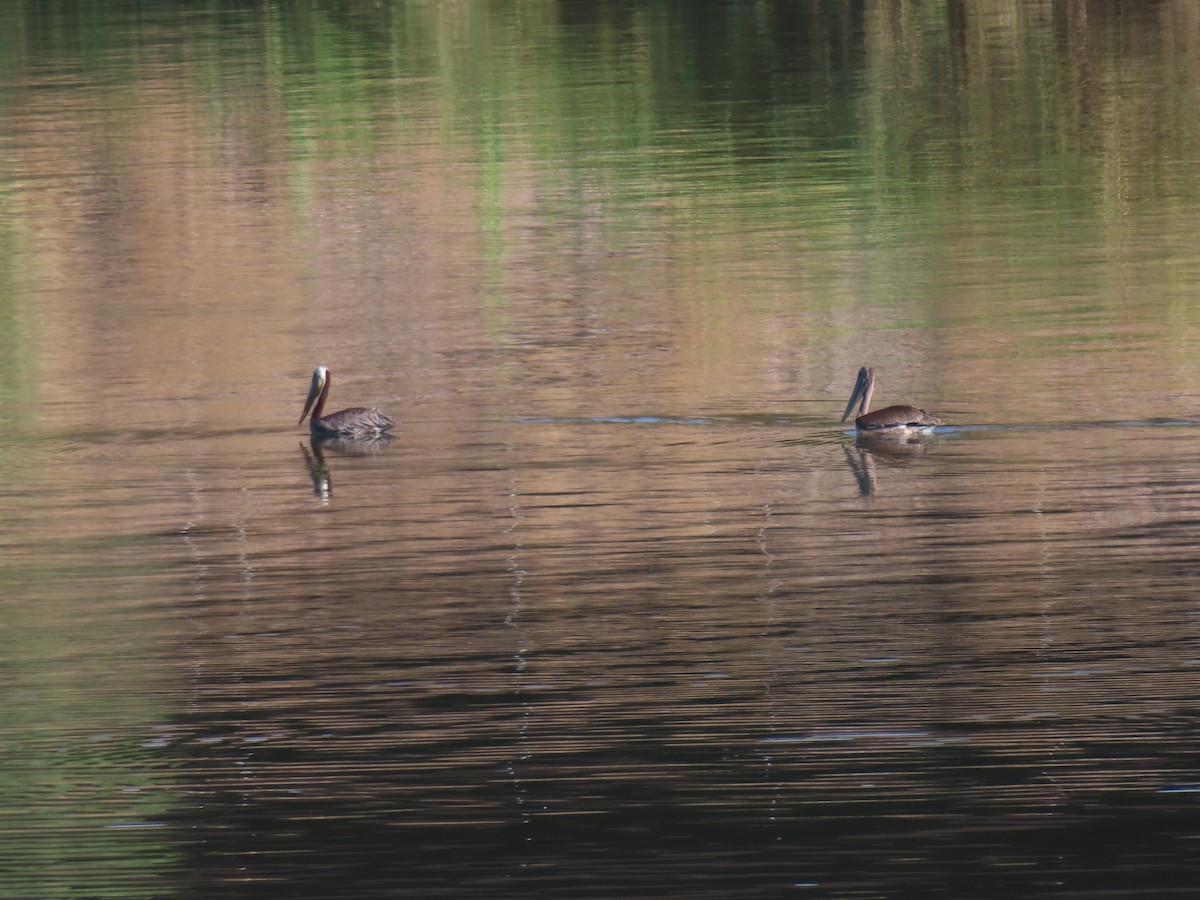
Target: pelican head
(862,391)
(319,381)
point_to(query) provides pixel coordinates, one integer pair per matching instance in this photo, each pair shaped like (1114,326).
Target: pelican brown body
(355,421)
(890,418)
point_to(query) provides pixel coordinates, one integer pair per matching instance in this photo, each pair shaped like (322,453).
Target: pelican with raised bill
(895,419)
(357,421)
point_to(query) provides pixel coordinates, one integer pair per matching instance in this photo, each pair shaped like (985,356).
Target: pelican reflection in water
(342,445)
(357,421)
(870,453)
(891,419)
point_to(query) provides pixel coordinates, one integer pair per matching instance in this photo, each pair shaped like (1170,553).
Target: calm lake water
(622,609)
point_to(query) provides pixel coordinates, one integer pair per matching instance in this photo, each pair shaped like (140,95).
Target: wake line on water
(772,421)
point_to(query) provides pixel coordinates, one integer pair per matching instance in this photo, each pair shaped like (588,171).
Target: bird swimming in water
(894,419)
(357,421)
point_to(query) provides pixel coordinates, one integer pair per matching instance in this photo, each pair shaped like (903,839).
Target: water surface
(622,608)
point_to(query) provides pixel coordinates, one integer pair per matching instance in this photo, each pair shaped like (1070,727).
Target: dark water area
(621,607)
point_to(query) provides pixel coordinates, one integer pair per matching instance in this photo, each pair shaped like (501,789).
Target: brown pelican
(890,418)
(355,421)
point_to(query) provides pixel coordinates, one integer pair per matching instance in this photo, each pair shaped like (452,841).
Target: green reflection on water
(700,98)
(18,340)
(85,792)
